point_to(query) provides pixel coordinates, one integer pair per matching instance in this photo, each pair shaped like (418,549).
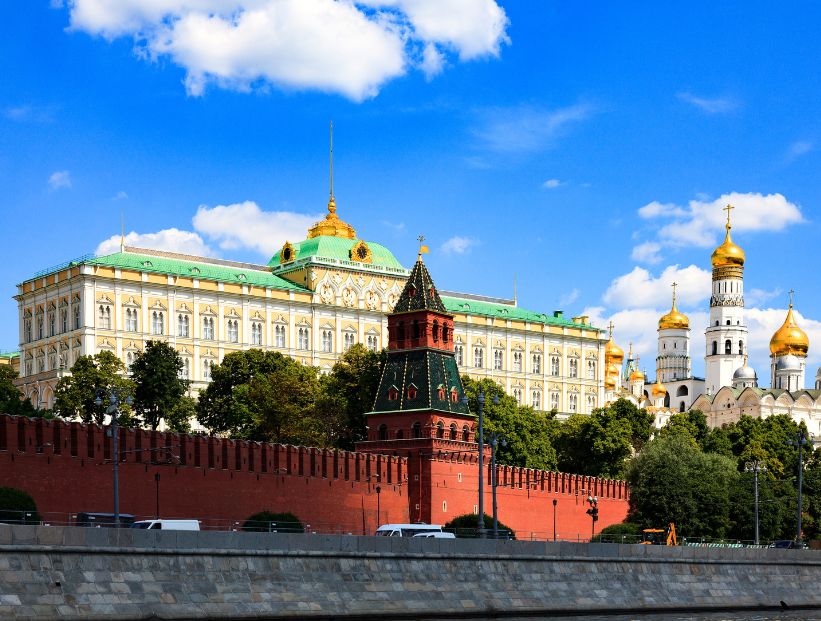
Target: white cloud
(552,183)
(459,245)
(339,46)
(172,240)
(756,297)
(710,105)
(648,252)
(797,149)
(526,129)
(639,288)
(59,179)
(568,298)
(245,225)
(701,221)
(121,195)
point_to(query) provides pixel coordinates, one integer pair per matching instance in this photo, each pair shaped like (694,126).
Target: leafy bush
(270,522)
(465,526)
(624,531)
(17,507)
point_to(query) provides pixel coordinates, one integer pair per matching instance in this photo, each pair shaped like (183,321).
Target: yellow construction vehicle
(660,536)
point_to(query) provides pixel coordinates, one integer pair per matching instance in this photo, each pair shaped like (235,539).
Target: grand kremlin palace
(313,300)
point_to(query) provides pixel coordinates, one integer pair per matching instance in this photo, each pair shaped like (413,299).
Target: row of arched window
(439,331)
(451,433)
(536,362)
(46,324)
(728,347)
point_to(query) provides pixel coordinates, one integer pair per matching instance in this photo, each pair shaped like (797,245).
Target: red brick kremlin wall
(66,467)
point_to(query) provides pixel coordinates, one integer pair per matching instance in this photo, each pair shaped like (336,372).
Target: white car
(407,530)
(167,524)
(436,535)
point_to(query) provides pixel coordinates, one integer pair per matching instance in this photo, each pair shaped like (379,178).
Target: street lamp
(480,399)
(755,467)
(800,440)
(157,481)
(113,409)
(494,441)
(378,492)
(555,502)
(593,512)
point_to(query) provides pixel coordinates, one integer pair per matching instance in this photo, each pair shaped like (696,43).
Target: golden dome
(674,320)
(789,339)
(728,254)
(659,389)
(637,375)
(612,352)
(610,382)
(332,226)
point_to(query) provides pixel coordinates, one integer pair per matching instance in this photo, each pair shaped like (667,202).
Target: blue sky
(585,147)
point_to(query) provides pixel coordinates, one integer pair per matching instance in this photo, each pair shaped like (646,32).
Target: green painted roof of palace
(338,248)
(504,311)
(237,273)
(9,355)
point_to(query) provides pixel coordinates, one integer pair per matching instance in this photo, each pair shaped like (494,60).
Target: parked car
(435,535)
(406,530)
(167,524)
(103,520)
(788,544)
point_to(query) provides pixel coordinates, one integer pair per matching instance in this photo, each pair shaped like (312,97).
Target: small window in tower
(728,346)
(445,335)
(393,393)
(716,321)
(454,395)
(383,432)
(664,345)
(441,393)
(415,328)
(440,430)
(412,291)
(675,345)
(728,322)
(416,430)
(465,434)
(400,434)
(715,348)
(400,332)
(741,348)
(412,392)
(453,433)
(444,506)
(435,331)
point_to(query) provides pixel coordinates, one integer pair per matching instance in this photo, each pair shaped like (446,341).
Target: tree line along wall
(67,468)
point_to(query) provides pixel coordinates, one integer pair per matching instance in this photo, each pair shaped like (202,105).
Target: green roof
(339,249)
(9,355)
(505,311)
(225,272)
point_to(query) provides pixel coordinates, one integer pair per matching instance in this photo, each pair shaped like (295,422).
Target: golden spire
(423,249)
(789,338)
(728,254)
(332,226)
(674,320)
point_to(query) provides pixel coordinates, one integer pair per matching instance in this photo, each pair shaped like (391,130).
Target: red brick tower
(418,411)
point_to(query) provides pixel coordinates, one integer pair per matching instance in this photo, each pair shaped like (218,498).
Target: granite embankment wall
(67,468)
(75,573)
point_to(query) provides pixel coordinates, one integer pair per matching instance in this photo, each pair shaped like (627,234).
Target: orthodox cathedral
(730,388)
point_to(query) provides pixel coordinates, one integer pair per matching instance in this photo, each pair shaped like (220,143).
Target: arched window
(327,341)
(574,402)
(465,433)
(536,400)
(741,347)
(440,430)
(537,363)
(453,431)
(715,347)
(454,395)
(554,401)
(435,331)
(591,403)
(182,325)
(574,367)
(728,346)
(400,332)
(497,359)
(157,323)
(105,317)
(416,430)
(554,365)
(383,432)
(412,392)
(303,338)
(393,393)
(206,369)
(478,357)
(279,336)
(591,369)
(681,406)
(445,332)
(77,316)
(682,391)
(64,320)
(441,393)
(459,354)
(400,434)
(415,328)
(233,331)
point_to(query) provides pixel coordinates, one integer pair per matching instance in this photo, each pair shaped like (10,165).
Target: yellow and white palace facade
(313,300)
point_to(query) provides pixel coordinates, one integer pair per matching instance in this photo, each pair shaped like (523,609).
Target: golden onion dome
(659,389)
(637,375)
(613,353)
(789,339)
(675,319)
(728,254)
(610,382)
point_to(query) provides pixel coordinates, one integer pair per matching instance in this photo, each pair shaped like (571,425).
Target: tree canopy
(11,400)
(76,393)
(159,387)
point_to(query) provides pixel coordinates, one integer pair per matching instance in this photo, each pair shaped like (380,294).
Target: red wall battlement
(66,467)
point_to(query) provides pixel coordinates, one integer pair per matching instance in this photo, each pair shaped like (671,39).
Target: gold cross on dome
(791,294)
(727,209)
(610,327)
(674,285)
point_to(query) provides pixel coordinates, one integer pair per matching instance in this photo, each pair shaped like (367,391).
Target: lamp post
(494,441)
(555,502)
(593,512)
(480,399)
(378,492)
(800,440)
(157,481)
(113,409)
(755,467)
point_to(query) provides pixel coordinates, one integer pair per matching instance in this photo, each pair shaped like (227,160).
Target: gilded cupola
(789,339)
(637,375)
(728,254)
(612,352)
(674,320)
(659,390)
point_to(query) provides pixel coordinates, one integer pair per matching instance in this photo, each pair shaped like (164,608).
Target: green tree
(692,423)
(465,525)
(159,388)
(76,393)
(348,392)
(673,481)
(17,507)
(11,399)
(269,521)
(641,421)
(528,433)
(218,409)
(180,417)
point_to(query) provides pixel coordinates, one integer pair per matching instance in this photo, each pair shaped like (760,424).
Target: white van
(167,524)
(436,535)
(407,530)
